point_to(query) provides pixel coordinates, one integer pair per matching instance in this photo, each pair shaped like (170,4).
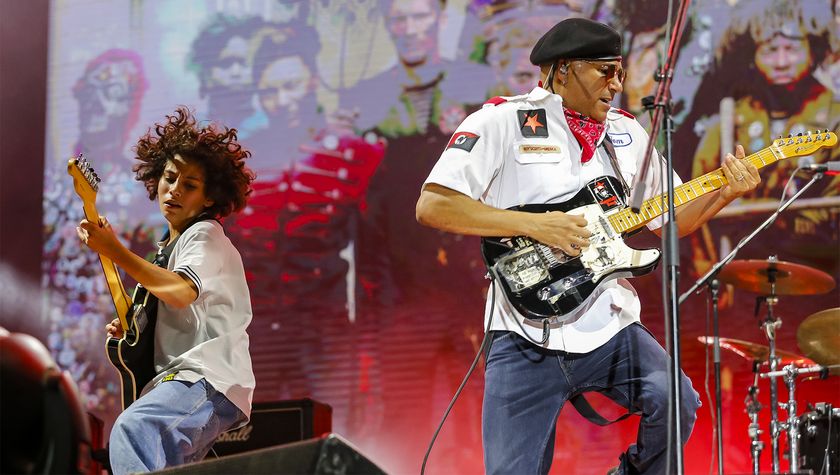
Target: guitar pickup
(139,317)
(522,269)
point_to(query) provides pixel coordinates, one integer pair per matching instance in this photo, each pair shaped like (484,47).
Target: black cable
(546,331)
(466,377)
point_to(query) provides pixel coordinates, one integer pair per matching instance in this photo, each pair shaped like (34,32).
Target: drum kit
(814,436)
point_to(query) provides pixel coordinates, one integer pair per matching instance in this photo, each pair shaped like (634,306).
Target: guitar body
(541,282)
(133,355)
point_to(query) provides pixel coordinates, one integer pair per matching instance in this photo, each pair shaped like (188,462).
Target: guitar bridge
(568,285)
(522,269)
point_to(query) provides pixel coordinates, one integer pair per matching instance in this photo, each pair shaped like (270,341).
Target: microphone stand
(714,287)
(662,113)
(710,279)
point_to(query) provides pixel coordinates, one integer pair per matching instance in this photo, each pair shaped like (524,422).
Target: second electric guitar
(542,282)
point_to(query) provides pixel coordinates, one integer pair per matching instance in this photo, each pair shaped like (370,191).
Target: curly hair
(227,181)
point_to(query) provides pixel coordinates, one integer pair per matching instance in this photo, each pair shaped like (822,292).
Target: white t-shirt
(207,339)
(501,170)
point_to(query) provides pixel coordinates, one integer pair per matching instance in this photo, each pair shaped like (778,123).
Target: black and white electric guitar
(133,354)
(543,282)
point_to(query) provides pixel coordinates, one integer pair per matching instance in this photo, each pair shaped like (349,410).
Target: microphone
(807,163)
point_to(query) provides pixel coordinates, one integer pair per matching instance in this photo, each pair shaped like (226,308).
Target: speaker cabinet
(328,455)
(276,423)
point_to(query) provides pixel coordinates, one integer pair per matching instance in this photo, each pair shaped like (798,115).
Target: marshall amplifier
(276,423)
(327,455)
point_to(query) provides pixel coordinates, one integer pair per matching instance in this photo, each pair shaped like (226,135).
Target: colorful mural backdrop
(345,107)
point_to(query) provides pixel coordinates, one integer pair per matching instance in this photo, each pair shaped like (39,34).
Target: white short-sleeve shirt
(494,162)
(208,338)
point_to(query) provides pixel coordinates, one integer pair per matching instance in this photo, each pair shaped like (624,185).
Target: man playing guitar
(546,147)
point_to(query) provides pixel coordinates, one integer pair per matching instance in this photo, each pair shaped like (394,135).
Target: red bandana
(586,131)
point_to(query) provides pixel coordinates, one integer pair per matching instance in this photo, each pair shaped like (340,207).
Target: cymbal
(791,279)
(819,336)
(755,352)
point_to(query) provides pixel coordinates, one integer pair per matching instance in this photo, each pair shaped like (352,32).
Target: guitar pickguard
(543,282)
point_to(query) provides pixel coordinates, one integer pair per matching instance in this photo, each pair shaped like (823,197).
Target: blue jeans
(175,423)
(526,386)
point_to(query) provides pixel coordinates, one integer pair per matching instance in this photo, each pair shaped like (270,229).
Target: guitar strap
(579,402)
(608,146)
(162,260)
(589,413)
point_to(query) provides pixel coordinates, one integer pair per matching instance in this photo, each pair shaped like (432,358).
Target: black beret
(577,38)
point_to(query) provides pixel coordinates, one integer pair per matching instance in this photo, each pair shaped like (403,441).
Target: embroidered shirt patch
(532,123)
(528,148)
(463,140)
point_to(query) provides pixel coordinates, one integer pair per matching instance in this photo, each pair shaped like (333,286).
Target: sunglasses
(609,70)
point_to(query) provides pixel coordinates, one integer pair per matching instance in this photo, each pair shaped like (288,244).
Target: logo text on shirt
(525,148)
(621,140)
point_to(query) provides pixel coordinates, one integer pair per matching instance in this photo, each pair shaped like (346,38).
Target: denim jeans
(174,423)
(526,386)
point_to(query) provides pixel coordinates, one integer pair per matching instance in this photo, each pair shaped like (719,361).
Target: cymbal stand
(753,409)
(770,324)
(792,423)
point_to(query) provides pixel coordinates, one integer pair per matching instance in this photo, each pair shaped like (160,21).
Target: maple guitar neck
(122,301)
(626,220)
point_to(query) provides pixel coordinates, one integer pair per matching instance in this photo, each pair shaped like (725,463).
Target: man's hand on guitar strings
(563,231)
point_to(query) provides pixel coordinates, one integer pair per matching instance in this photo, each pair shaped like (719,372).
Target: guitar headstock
(804,144)
(85,180)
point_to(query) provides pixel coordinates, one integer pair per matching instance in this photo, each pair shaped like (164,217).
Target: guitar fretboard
(626,220)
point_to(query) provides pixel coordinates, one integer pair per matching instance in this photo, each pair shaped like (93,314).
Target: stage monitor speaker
(328,455)
(276,423)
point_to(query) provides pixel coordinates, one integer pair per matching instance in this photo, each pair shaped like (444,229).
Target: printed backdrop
(345,107)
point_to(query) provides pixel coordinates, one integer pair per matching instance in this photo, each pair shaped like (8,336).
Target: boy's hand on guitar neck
(99,237)
(114,329)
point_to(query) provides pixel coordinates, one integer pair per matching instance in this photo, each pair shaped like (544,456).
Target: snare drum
(819,430)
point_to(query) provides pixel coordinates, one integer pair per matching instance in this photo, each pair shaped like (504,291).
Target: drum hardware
(819,338)
(754,429)
(791,424)
(793,365)
(819,439)
(774,283)
(772,278)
